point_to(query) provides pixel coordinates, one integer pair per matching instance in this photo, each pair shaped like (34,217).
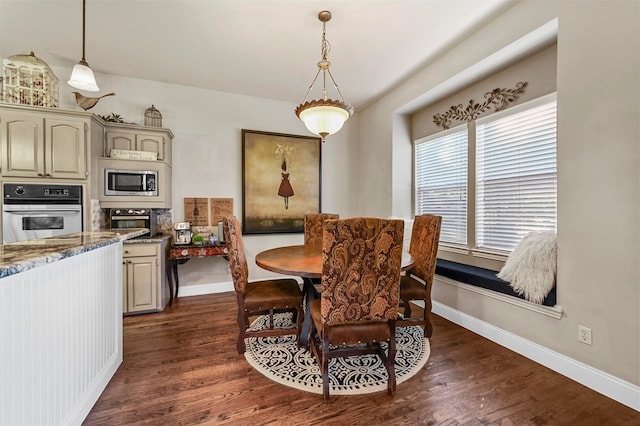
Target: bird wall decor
(86,102)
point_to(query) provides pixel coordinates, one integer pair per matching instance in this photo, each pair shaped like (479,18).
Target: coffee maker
(182,234)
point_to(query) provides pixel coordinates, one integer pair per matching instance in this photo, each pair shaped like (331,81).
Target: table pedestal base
(310,292)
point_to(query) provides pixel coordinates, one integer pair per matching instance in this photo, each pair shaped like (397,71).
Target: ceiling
(262,48)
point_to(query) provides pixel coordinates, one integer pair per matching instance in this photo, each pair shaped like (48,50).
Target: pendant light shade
(324,116)
(82,76)
(324,120)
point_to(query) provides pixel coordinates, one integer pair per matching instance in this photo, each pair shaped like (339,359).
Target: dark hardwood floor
(181,368)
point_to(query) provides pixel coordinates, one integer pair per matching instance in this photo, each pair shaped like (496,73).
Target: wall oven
(135,218)
(131,182)
(31,211)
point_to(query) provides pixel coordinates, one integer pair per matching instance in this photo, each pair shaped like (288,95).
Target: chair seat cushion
(350,333)
(411,288)
(272,294)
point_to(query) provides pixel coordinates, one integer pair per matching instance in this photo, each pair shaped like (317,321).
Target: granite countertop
(156,239)
(22,256)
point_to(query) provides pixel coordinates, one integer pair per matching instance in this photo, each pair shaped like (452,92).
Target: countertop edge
(23,256)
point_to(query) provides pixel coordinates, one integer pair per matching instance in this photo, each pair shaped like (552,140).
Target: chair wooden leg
(428,327)
(391,359)
(242,325)
(299,314)
(325,370)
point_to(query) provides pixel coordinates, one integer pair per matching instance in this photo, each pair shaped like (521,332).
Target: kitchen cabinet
(138,138)
(144,285)
(35,144)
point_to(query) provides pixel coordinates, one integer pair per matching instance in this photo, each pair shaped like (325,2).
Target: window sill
(551,311)
(453,248)
(484,254)
(493,255)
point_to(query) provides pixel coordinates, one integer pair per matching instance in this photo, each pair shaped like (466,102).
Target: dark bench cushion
(484,278)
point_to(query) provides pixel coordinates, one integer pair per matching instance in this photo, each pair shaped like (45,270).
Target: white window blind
(516,174)
(441,181)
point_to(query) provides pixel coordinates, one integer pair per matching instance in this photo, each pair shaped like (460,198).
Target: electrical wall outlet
(584,335)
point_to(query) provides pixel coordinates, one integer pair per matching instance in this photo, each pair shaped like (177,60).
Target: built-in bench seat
(484,278)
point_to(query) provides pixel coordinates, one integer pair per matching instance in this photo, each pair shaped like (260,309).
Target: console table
(180,254)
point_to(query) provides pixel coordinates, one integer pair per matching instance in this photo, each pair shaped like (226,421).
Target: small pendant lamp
(82,77)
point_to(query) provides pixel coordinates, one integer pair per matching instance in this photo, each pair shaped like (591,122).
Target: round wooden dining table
(304,261)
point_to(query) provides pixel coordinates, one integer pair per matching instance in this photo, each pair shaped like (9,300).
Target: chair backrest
(313,227)
(361,259)
(235,251)
(425,236)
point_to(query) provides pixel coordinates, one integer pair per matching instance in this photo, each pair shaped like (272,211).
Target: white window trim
(551,311)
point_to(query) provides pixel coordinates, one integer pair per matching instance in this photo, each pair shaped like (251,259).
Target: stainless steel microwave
(131,182)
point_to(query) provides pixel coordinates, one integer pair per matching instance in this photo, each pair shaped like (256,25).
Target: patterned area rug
(280,359)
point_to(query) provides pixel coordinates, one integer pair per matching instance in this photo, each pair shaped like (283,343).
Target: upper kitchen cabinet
(131,137)
(39,144)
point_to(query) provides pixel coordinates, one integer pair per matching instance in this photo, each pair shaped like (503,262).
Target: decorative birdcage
(29,80)
(152,117)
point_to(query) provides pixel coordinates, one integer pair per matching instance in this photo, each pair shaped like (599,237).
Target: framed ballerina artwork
(281,177)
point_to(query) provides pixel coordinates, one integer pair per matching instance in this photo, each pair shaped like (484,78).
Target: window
(441,182)
(513,177)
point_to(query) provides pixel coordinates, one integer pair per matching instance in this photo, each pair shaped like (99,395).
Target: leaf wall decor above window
(498,98)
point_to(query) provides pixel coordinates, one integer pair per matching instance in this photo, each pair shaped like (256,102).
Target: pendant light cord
(84,3)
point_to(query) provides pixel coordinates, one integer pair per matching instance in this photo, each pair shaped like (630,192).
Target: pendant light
(82,77)
(324,116)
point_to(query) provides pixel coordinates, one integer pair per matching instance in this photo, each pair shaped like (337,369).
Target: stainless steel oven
(31,211)
(135,218)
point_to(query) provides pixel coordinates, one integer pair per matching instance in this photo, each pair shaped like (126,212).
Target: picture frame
(281,181)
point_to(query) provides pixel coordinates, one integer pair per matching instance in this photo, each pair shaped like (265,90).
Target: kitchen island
(60,325)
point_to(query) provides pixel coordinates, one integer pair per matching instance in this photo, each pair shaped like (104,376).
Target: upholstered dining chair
(313,227)
(313,234)
(360,293)
(259,297)
(416,283)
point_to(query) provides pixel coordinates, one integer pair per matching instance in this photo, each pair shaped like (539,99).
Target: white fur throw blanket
(531,267)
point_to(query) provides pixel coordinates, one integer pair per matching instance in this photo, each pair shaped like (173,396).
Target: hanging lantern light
(324,116)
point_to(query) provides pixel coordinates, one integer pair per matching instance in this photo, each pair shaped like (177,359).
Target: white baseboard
(210,288)
(617,389)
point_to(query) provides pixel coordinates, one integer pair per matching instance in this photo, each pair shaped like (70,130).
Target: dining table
(304,261)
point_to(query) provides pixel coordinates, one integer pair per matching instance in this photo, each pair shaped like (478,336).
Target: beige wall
(598,174)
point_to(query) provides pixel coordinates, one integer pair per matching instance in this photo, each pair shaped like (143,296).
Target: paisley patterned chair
(360,293)
(313,236)
(416,283)
(313,227)
(259,297)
